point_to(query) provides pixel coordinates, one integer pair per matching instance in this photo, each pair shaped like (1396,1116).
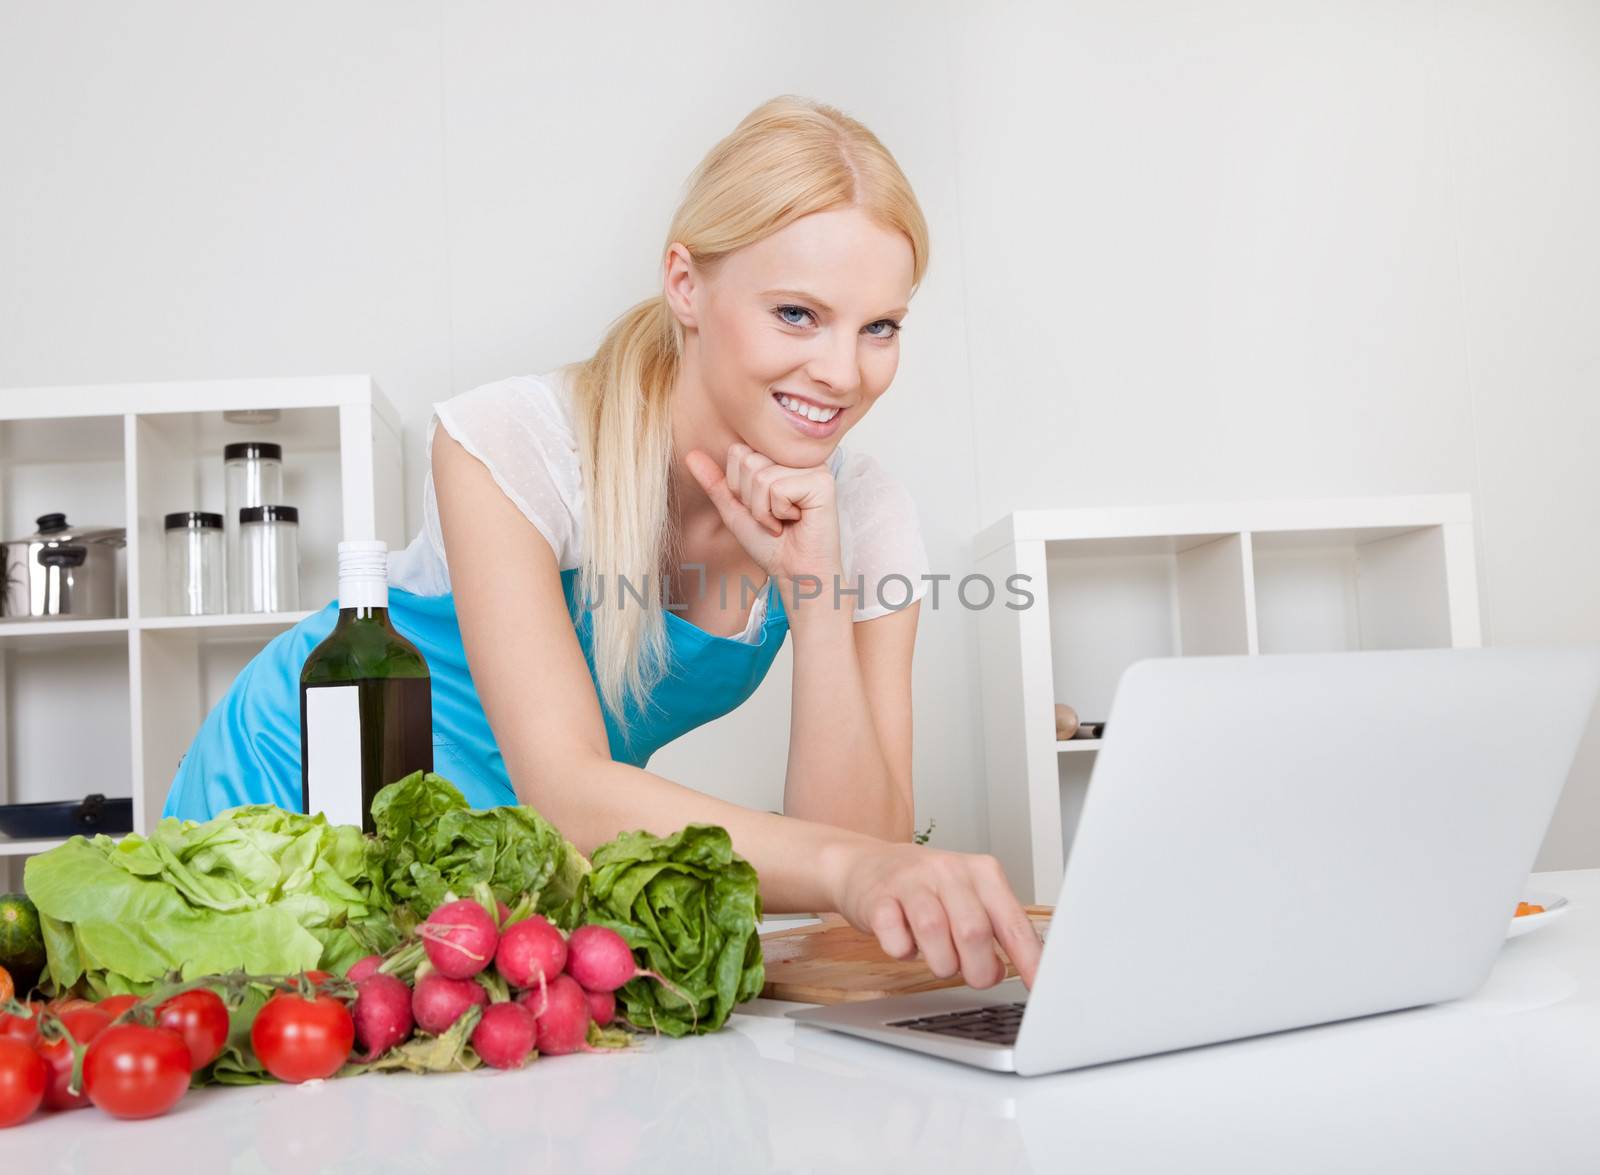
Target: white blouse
(521,428)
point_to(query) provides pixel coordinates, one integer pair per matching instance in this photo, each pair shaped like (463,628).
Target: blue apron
(248,748)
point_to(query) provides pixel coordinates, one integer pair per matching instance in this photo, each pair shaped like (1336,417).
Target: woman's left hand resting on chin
(786,519)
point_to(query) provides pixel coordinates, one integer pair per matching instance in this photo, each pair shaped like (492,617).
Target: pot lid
(54,528)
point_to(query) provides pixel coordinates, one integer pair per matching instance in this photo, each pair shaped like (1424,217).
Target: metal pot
(62,572)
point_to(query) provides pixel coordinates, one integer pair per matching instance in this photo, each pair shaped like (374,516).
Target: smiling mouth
(806,411)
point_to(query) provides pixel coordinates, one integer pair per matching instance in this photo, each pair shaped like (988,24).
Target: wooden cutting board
(831,962)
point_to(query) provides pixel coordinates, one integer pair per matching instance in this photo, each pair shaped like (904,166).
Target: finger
(1012,926)
(759,498)
(972,933)
(744,462)
(734,514)
(710,477)
(888,922)
(925,914)
(733,462)
(790,494)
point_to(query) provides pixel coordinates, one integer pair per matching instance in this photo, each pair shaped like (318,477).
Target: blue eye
(783,313)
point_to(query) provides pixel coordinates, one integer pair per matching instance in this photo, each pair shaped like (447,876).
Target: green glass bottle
(366,702)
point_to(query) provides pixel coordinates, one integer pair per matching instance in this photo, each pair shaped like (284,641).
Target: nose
(836,363)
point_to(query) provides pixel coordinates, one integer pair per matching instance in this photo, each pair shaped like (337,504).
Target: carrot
(8,989)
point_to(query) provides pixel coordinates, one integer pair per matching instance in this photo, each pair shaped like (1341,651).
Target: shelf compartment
(65,752)
(180,467)
(1343,590)
(72,466)
(186,665)
(1114,601)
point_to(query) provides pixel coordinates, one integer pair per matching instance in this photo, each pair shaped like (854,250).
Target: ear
(679,283)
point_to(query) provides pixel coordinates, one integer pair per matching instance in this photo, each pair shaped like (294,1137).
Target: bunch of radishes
(539,990)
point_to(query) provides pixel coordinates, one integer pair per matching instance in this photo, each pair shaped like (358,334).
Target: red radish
(383,1014)
(535,999)
(505,1036)
(602,1007)
(503,911)
(528,949)
(439,1001)
(599,959)
(564,1023)
(362,968)
(460,938)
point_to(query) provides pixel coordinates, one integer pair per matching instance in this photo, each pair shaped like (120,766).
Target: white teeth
(809,411)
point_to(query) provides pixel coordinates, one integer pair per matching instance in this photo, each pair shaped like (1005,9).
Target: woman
(587,534)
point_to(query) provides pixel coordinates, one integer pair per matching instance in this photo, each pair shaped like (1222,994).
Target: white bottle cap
(363,573)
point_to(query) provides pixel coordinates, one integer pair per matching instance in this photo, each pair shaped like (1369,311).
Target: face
(809,314)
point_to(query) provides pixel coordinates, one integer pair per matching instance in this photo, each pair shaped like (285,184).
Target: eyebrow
(818,302)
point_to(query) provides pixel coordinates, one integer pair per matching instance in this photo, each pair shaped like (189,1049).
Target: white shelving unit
(1113,586)
(111,705)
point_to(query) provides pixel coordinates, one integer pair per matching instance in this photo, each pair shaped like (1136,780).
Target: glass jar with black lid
(269,557)
(194,563)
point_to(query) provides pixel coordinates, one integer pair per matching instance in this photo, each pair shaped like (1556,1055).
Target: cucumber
(21,944)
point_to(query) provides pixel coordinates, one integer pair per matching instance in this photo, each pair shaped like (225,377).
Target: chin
(797,452)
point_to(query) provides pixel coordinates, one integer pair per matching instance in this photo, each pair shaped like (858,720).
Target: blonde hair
(789,158)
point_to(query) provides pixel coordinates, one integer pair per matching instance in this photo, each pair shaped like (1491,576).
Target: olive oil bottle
(366,703)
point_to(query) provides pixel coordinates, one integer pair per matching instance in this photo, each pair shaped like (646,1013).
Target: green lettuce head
(688,906)
(255,887)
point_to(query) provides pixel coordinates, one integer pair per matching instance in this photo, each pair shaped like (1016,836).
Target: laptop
(1271,842)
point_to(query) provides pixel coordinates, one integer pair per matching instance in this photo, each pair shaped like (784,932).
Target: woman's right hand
(952,907)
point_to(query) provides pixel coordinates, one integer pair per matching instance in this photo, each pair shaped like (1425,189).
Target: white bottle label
(333,752)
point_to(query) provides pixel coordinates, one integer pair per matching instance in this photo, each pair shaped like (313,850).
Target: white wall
(1179,251)
(1258,249)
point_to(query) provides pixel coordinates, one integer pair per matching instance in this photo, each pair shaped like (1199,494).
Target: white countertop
(1506,1081)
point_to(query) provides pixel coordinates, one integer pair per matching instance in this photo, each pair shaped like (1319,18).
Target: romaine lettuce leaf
(431,845)
(688,906)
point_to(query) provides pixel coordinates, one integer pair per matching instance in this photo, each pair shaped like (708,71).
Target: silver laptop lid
(1281,840)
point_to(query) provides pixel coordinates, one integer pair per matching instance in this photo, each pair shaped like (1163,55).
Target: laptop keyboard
(991,1023)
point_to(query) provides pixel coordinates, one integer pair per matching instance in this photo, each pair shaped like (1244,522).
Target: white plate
(1554,906)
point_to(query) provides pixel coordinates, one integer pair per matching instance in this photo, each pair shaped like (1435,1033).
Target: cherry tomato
(23,1075)
(132,1071)
(85,1024)
(297,1039)
(201,1019)
(21,1028)
(115,1005)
